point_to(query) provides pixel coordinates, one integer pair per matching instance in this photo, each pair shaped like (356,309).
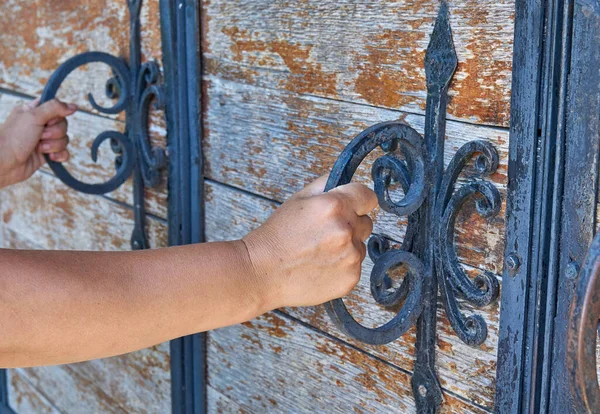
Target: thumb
(315,188)
(52,109)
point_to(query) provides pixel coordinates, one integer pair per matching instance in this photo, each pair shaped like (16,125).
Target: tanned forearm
(62,306)
(67,306)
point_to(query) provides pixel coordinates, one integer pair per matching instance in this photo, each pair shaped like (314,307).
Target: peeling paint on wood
(367,52)
(465,371)
(38,35)
(304,371)
(138,382)
(55,217)
(24,397)
(272,143)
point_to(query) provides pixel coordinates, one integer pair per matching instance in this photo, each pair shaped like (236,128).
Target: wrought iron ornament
(134,87)
(432,203)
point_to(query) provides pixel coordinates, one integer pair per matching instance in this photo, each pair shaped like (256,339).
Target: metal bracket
(135,87)
(431,203)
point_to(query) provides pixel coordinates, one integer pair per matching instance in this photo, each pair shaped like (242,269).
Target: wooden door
(262,97)
(287,85)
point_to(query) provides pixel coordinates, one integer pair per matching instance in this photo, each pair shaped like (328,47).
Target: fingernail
(72,107)
(46,134)
(45,147)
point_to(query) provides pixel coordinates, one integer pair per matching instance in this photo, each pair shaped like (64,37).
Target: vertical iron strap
(180,28)
(432,204)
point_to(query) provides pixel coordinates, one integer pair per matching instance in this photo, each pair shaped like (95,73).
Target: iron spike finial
(440,57)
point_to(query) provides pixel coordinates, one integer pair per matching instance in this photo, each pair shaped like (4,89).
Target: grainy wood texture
(463,370)
(25,398)
(287,86)
(369,52)
(36,37)
(43,214)
(276,365)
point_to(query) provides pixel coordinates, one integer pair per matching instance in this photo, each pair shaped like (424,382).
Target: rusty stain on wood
(64,29)
(363,52)
(230,215)
(335,377)
(25,398)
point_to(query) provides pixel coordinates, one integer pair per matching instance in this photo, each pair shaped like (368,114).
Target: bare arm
(66,306)
(58,307)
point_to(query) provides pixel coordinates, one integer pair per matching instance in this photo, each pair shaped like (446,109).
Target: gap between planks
(365,352)
(268,200)
(462,121)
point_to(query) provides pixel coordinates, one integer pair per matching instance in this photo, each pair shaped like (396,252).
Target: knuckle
(354,257)
(57,105)
(332,205)
(342,234)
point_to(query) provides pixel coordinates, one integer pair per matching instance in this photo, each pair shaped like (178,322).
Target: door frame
(552,197)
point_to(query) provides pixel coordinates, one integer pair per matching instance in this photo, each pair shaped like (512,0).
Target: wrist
(260,255)
(256,280)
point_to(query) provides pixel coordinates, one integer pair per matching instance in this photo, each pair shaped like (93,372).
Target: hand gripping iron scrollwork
(135,87)
(432,202)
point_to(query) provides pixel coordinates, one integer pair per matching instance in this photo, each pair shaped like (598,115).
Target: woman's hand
(67,306)
(29,132)
(310,250)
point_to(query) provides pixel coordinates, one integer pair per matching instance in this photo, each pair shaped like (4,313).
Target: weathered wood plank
(38,35)
(367,52)
(41,213)
(220,404)
(83,128)
(23,397)
(272,143)
(305,371)
(53,216)
(138,382)
(463,370)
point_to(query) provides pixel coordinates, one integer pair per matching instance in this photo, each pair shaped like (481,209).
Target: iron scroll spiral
(411,174)
(484,289)
(118,86)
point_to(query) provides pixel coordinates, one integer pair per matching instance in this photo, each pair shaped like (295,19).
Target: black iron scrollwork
(583,333)
(134,87)
(432,200)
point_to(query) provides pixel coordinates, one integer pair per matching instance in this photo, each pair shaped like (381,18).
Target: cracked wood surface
(465,371)
(303,371)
